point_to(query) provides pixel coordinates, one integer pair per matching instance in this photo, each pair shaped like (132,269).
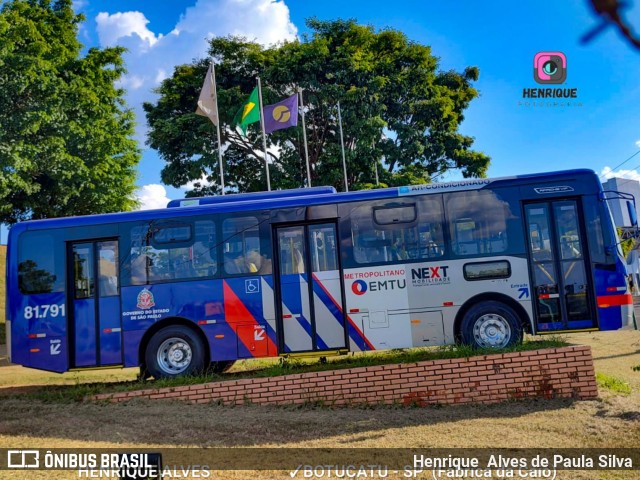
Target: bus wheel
(174,351)
(221,367)
(491,325)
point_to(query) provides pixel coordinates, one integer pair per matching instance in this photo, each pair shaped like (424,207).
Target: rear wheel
(491,325)
(174,351)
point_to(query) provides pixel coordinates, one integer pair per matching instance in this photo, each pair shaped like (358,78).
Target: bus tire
(175,351)
(491,324)
(221,367)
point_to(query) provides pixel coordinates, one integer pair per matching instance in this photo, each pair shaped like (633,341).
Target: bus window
(478,222)
(567,225)
(40,270)
(204,251)
(108,268)
(323,245)
(171,233)
(539,234)
(395,214)
(389,232)
(464,228)
(535,234)
(172,252)
(291,244)
(241,247)
(594,229)
(83,270)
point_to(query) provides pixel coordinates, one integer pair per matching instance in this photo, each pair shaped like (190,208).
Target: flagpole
(344,161)
(215,94)
(264,135)
(375,161)
(304,136)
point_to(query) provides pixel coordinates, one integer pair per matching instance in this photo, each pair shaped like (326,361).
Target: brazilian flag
(248,113)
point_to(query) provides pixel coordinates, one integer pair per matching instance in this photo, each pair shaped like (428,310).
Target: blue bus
(253,196)
(182,290)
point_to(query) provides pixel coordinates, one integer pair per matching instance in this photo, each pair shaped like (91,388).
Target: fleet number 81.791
(42,311)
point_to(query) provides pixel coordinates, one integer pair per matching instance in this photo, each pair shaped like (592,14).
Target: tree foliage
(66,145)
(399,111)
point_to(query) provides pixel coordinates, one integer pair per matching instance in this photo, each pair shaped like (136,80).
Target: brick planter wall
(565,372)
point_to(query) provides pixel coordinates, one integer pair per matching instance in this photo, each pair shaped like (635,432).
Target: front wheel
(491,325)
(174,351)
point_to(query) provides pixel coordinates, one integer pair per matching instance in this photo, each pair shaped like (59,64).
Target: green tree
(66,145)
(399,111)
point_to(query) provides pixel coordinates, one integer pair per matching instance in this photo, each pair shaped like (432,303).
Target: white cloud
(151,56)
(265,21)
(131,82)
(638,143)
(152,196)
(114,27)
(162,74)
(79,5)
(608,173)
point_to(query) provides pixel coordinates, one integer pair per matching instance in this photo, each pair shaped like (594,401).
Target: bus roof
(237,197)
(249,204)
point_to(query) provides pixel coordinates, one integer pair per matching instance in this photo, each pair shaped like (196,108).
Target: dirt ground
(612,421)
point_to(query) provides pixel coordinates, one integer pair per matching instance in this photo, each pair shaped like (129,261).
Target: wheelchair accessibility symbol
(252,285)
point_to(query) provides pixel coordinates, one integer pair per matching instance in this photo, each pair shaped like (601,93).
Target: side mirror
(633,216)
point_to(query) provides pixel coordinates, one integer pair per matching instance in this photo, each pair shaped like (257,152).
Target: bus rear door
(309,289)
(562,283)
(95,329)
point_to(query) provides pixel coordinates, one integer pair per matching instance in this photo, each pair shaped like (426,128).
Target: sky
(600,130)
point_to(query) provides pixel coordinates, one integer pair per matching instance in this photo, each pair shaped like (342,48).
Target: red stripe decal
(605,301)
(237,314)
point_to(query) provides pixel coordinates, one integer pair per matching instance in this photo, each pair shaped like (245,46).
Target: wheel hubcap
(492,331)
(174,355)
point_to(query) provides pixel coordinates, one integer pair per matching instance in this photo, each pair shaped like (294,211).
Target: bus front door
(94,311)
(309,289)
(562,288)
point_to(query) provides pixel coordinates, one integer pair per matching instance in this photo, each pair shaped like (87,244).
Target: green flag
(248,113)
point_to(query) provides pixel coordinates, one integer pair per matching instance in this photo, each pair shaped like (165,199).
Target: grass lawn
(613,420)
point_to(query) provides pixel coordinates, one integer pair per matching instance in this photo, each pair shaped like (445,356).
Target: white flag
(208,101)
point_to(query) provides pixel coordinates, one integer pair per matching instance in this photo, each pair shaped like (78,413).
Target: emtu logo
(359,287)
(550,67)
